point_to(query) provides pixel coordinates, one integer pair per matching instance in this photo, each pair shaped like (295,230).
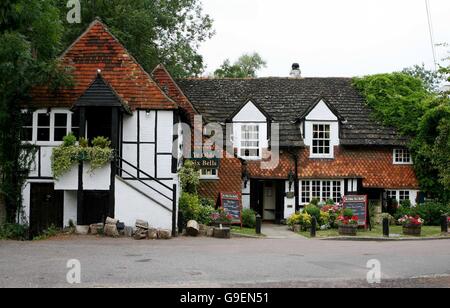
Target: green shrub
(313,211)
(402,211)
(324,219)
(101,142)
(70,140)
(315,202)
(189,177)
(13,232)
(330,202)
(405,204)
(248,218)
(83,142)
(294,219)
(347,213)
(431,212)
(192,208)
(46,234)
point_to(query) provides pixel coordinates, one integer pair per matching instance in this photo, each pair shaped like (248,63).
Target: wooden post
(313,226)
(174,211)
(258,224)
(80,192)
(386,227)
(115,146)
(444,224)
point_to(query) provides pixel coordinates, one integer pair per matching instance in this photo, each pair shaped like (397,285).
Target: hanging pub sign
(358,204)
(231,203)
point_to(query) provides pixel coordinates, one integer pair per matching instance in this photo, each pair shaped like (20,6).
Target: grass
(377,231)
(245,231)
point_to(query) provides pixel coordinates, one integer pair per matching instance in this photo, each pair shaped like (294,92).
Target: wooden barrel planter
(412,230)
(348,230)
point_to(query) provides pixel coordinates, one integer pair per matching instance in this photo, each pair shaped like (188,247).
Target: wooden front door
(46,208)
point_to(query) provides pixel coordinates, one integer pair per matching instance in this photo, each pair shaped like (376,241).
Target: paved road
(204,262)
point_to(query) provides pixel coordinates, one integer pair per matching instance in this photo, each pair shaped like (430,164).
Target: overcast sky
(327,37)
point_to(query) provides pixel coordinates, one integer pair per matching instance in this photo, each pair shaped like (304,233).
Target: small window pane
(60,133)
(43,134)
(61,120)
(43,119)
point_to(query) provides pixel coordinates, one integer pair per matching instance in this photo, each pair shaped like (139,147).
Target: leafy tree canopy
(431,79)
(246,66)
(154,31)
(409,103)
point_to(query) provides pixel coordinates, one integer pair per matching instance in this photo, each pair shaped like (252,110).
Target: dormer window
(402,157)
(321,139)
(250,146)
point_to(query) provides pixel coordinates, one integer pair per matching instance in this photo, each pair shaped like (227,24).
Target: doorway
(46,208)
(99,122)
(267,199)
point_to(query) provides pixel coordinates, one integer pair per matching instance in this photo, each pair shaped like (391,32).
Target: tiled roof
(286,99)
(97,49)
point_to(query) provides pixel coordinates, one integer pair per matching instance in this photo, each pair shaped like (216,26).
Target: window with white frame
(43,126)
(306,192)
(321,141)
(402,156)
(27,127)
(48,126)
(322,190)
(398,195)
(212,173)
(250,145)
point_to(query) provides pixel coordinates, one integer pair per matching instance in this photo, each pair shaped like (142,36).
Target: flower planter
(348,230)
(412,230)
(224,233)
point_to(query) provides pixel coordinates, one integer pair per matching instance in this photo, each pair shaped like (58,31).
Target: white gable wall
(321,114)
(250,114)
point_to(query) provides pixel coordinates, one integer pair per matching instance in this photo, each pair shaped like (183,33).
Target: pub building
(329,144)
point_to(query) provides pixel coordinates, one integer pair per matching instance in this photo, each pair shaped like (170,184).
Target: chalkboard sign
(358,204)
(231,203)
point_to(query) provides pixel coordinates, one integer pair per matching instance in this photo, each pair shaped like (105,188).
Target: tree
(30,35)
(245,67)
(431,79)
(407,103)
(164,31)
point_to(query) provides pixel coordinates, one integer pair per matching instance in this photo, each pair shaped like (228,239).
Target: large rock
(140,235)
(111,230)
(82,230)
(164,234)
(142,224)
(152,234)
(129,231)
(192,228)
(95,229)
(111,221)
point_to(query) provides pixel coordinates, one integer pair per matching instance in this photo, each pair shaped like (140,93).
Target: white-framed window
(321,140)
(48,126)
(27,126)
(250,143)
(209,174)
(399,195)
(402,157)
(322,190)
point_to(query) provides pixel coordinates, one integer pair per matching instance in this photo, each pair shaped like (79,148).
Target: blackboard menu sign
(359,206)
(231,203)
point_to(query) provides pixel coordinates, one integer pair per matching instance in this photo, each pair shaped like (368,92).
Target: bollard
(313,227)
(386,227)
(444,224)
(258,224)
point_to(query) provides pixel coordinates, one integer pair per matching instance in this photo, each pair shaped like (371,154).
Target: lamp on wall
(291,178)
(245,177)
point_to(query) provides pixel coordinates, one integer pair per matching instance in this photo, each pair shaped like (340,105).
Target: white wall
(98,179)
(70,207)
(132,205)
(246,195)
(289,204)
(249,113)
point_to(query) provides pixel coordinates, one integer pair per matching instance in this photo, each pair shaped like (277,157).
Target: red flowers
(411,221)
(342,220)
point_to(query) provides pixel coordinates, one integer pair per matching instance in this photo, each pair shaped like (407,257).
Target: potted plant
(348,223)
(221,217)
(411,225)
